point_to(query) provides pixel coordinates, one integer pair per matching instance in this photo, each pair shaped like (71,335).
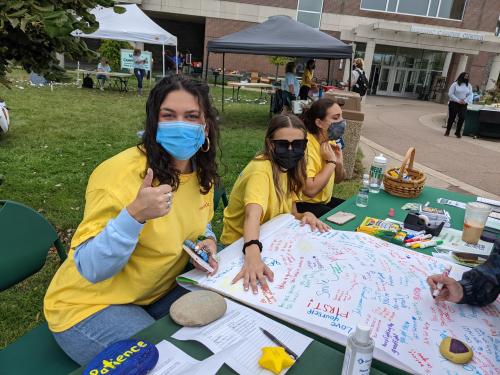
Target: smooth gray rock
(199,308)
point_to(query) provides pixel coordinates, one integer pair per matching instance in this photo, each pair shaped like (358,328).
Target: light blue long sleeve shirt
(461,92)
(104,255)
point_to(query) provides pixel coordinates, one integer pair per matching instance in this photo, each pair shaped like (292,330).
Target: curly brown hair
(160,161)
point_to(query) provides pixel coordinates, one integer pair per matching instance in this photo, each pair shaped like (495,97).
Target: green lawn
(58,137)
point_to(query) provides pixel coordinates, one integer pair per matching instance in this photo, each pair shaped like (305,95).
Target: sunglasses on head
(284,145)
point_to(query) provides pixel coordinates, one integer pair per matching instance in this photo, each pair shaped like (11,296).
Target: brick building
(406,44)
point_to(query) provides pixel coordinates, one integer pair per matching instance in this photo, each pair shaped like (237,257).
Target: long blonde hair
(296,176)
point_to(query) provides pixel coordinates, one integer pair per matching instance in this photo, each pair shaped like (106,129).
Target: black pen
(279,343)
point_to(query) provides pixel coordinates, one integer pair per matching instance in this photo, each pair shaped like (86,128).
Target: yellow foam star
(275,359)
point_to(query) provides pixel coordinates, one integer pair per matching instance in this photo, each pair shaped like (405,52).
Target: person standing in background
(359,78)
(290,84)
(460,94)
(307,80)
(139,69)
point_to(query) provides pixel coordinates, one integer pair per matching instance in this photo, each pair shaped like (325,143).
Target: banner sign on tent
(127,59)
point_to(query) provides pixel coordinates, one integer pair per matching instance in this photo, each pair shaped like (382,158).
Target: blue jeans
(86,339)
(139,74)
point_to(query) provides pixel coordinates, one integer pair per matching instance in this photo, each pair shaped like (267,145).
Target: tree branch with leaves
(32,32)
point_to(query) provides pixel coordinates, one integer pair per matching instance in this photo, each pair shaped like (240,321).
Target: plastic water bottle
(377,172)
(358,352)
(362,198)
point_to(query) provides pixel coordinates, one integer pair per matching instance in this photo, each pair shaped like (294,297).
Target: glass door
(410,82)
(399,79)
(383,81)
(422,75)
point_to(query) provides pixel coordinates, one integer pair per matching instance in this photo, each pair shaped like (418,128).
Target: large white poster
(328,283)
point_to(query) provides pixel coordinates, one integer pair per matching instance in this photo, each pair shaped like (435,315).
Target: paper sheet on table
(174,361)
(493,223)
(453,242)
(241,325)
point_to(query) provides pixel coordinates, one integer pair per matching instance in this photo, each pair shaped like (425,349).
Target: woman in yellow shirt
(267,187)
(325,162)
(141,205)
(307,80)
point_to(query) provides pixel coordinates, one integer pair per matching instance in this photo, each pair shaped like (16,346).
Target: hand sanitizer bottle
(358,352)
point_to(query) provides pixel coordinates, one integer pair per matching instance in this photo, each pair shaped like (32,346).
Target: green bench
(24,244)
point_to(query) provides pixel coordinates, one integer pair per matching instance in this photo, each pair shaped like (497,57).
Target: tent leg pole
(176,60)
(350,72)
(163,58)
(206,66)
(223,73)
(328,75)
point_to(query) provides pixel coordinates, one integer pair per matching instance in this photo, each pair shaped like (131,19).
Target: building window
(449,9)
(309,12)
(497,32)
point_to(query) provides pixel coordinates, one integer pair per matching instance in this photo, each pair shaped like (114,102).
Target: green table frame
(322,356)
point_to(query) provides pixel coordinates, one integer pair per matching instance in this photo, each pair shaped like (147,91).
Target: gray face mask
(336,130)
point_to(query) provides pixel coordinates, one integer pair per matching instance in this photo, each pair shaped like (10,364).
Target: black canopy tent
(280,36)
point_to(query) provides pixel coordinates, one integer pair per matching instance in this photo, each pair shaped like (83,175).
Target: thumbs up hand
(151,202)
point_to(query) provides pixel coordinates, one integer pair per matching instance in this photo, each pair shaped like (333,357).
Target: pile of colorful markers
(420,240)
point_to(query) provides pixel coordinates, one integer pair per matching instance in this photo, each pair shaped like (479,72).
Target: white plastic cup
(476,215)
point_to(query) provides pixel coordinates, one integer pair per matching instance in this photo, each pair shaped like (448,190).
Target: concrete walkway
(466,165)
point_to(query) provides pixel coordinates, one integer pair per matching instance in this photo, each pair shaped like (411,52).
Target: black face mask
(288,159)
(288,154)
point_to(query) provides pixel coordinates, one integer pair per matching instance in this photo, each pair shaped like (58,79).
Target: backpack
(361,85)
(88,83)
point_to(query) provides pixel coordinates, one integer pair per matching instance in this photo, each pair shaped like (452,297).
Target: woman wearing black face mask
(267,187)
(325,162)
(460,94)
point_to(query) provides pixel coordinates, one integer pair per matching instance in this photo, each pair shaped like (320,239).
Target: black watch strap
(252,242)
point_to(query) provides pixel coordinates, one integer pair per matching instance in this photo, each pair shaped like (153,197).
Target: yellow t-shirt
(315,164)
(158,257)
(254,185)
(307,77)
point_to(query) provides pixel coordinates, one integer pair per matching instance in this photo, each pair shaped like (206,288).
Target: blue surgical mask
(180,139)
(336,130)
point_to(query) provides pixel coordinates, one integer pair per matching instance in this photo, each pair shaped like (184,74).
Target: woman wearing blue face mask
(325,162)
(141,205)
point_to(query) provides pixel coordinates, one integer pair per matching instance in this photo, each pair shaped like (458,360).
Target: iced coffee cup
(476,215)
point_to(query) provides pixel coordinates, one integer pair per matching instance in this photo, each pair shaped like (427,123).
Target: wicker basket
(406,189)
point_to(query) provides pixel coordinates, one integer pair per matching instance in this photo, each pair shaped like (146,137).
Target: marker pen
(419,238)
(424,245)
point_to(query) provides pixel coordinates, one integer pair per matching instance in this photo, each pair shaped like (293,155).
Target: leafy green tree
(33,31)
(110,49)
(279,61)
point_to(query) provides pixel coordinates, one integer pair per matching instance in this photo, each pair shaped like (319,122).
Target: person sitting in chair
(103,67)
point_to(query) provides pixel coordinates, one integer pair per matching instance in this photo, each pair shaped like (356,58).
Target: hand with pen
(209,246)
(450,291)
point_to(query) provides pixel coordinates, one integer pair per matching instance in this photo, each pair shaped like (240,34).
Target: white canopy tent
(133,25)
